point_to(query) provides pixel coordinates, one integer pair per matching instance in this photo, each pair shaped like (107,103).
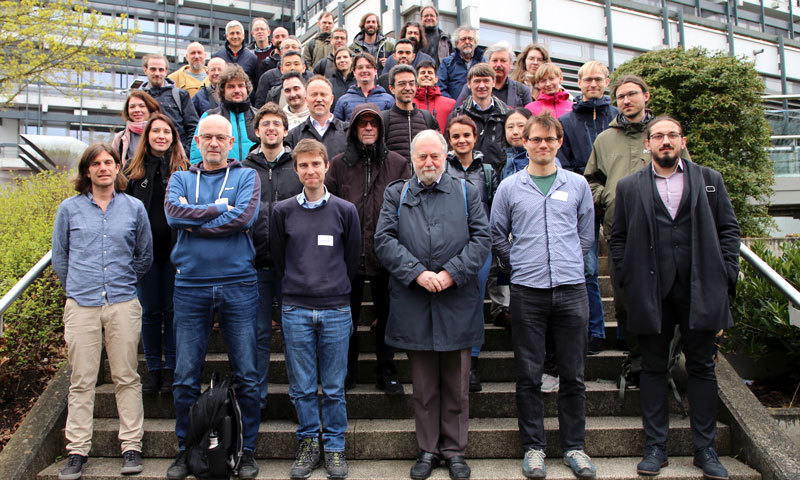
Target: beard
(666,158)
(428,176)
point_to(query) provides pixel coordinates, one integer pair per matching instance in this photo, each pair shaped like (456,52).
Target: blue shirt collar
(301,199)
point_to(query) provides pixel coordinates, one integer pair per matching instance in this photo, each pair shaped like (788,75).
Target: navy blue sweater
(315,251)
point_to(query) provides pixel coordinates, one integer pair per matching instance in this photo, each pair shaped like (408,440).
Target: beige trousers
(83,332)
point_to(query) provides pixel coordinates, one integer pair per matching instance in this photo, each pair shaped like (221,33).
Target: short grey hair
(233,23)
(466,28)
(428,134)
(500,47)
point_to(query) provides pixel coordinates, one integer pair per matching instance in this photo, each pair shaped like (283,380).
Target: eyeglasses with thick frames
(538,140)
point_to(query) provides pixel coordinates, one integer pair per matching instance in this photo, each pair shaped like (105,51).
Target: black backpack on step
(214,432)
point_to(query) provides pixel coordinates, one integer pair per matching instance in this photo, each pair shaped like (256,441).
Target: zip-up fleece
(241,116)
(279,181)
(214,244)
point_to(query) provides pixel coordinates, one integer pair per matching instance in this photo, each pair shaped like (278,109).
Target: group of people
(463,176)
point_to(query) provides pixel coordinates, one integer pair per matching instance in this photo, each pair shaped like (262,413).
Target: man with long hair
(102,246)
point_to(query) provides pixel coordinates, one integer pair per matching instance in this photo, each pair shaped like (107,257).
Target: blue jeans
(269,288)
(236,305)
(597,324)
(483,275)
(315,337)
(564,311)
(155,294)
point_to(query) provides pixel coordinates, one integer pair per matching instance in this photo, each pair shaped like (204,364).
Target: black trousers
(698,347)
(564,310)
(379,285)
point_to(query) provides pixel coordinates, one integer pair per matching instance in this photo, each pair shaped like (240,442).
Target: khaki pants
(83,332)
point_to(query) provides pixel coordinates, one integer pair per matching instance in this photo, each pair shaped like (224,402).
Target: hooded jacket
(557,104)
(382,47)
(491,129)
(244,57)
(453,72)
(354,96)
(218,250)
(360,176)
(241,116)
(279,181)
(581,127)
(516,160)
(432,100)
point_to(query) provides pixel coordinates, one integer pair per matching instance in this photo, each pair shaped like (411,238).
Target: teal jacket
(241,116)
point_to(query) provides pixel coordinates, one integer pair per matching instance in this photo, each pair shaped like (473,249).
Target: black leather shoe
(426,462)
(459,470)
(152,384)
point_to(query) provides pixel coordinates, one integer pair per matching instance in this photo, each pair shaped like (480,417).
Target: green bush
(717,98)
(760,312)
(33,325)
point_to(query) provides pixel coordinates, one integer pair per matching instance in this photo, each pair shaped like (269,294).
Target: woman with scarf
(138,108)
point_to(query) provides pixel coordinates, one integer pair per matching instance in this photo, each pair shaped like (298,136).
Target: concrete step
(365,401)
(493,367)
(606,436)
(496,338)
(624,468)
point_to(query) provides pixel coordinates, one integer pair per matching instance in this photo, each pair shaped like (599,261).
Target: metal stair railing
(23,284)
(760,266)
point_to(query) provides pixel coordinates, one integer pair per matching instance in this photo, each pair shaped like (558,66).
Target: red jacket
(432,100)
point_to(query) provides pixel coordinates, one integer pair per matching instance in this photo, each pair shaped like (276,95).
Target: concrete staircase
(380,434)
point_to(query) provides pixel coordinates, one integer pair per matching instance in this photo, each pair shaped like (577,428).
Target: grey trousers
(441,400)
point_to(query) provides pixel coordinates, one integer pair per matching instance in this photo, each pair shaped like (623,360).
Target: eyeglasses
(591,80)
(466,39)
(207,137)
(405,83)
(622,96)
(538,140)
(658,137)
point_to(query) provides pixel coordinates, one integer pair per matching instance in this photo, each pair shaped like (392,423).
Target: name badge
(221,201)
(325,240)
(560,195)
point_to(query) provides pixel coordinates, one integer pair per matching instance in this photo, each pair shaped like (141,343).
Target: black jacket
(244,57)
(714,261)
(491,130)
(401,126)
(151,191)
(279,181)
(335,138)
(476,175)
(267,82)
(184,116)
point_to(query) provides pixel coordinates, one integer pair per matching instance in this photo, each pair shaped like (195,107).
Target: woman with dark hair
(342,78)
(160,153)
(516,155)
(138,108)
(465,162)
(528,61)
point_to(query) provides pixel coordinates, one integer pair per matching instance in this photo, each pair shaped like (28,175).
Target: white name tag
(560,195)
(325,240)
(221,201)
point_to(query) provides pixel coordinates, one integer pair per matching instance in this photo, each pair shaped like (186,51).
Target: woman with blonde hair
(528,61)
(159,155)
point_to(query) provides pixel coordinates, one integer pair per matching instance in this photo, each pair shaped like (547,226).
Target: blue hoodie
(219,248)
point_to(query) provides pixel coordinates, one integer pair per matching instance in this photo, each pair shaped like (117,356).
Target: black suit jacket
(714,249)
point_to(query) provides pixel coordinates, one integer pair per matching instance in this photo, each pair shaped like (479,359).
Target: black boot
(474,381)
(153,382)
(167,377)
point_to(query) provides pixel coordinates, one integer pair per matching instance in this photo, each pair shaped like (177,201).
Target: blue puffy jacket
(453,72)
(354,97)
(581,126)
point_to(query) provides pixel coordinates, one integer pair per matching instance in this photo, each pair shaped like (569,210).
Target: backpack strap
(487,177)
(429,120)
(402,196)
(176,95)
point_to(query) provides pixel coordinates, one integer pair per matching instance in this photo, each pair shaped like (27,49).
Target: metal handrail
(23,284)
(771,275)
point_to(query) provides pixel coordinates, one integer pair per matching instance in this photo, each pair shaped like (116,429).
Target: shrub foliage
(33,325)
(717,98)
(760,312)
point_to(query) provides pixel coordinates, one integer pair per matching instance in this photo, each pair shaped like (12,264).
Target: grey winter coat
(431,231)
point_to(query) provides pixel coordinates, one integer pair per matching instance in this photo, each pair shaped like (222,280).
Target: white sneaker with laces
(549,383)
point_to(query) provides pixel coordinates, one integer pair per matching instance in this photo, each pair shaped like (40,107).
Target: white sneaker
(549,383)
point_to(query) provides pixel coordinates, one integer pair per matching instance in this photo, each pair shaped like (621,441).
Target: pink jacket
(557,104)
